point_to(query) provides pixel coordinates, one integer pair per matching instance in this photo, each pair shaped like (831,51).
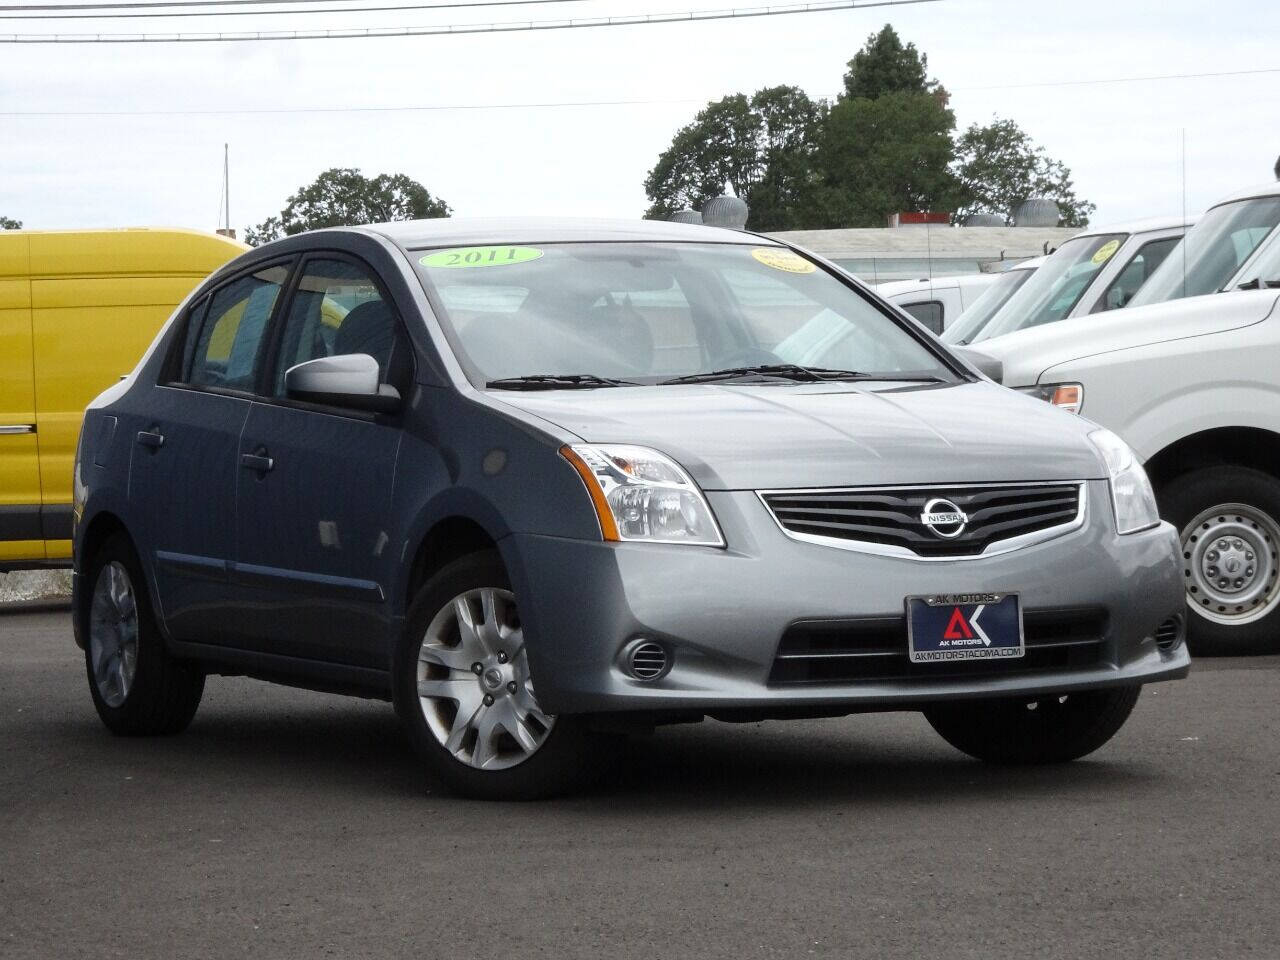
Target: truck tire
(138,688)
(1052,729)
(1228,520)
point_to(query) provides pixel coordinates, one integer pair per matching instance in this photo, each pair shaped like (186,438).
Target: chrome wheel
(473,682)
(113,634)
(1230,563)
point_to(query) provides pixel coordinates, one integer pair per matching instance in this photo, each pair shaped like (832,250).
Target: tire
(464,740)
(1054,729)
(138,688)
(1239,507)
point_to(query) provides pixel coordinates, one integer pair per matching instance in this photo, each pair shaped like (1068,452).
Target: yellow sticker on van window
(480,257)
(1105,251)
(784,260)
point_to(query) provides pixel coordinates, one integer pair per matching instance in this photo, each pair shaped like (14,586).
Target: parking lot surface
(291,824)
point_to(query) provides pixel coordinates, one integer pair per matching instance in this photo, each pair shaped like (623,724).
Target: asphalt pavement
(292,824)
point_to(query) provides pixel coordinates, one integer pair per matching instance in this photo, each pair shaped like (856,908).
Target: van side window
(338,309)
(1135,273)
(226,352)
(929,313)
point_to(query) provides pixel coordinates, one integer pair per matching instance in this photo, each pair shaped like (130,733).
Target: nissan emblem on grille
(944,518)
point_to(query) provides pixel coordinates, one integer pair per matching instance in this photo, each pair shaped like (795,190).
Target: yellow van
(77,311)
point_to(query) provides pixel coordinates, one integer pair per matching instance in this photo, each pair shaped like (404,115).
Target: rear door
(315,541)
(21,538)
(183,468)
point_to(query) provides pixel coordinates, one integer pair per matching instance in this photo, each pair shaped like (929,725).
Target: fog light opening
(645,660)
(1169,634)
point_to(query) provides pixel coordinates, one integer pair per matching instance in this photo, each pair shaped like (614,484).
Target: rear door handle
(149,438)
(257,462)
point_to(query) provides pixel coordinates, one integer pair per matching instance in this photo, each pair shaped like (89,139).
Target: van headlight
(1131,495)
(641,494)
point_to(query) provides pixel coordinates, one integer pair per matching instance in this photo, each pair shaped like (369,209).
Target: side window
(1135,273)
(337,309)
(929,313)
(225,353)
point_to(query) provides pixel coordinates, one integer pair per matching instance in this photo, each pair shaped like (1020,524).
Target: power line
(272,13)
(1085,83)
(411,108)
(517,26)
(133,5)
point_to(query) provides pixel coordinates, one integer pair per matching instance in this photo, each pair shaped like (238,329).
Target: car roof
(1269,189)
(449,231)
(1142,225)
(893,287)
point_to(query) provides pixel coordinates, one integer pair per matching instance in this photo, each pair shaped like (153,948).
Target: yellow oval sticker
(480,257)
(1105,251)
(784,260)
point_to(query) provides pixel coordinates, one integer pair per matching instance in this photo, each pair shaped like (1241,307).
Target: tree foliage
(999,166)
(344,197)
(760,147)
(888,144)
(7,224)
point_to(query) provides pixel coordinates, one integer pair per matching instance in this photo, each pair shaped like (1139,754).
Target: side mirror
(348,380)
(986,365)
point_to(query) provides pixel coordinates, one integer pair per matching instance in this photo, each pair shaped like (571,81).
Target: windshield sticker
(1105,251)
(783,260)
(480,257)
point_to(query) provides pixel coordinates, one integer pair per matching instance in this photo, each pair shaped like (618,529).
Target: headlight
(1131,496)
(1068,396)
(640,494)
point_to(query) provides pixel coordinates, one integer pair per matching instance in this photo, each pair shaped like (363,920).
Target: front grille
(891,517)
(848,651)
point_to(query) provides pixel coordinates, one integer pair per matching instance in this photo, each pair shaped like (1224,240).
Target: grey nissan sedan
(540,483)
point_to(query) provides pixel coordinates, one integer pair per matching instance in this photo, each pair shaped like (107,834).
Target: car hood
(1026,354)
(758,437)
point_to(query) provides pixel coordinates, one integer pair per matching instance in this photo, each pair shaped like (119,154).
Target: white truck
(1193,385)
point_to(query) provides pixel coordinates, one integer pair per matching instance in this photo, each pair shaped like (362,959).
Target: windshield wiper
(793,372)
(557,381)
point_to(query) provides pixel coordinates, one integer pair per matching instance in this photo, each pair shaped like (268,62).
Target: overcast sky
(1121,140)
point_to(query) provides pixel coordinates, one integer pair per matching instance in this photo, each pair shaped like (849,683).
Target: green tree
(761,147)
(885,155)
(884,65)
(344,197)
(7,224)
(999,165)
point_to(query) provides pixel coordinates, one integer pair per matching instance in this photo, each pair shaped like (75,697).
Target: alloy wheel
(113,633)
(473,682)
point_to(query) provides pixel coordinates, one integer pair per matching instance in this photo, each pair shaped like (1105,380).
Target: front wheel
(465,695)
(1051,729)
(1227,518)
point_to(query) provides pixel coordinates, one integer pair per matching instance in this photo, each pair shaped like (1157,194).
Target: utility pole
(225,230)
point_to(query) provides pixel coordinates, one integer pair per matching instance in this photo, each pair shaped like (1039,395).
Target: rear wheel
(1053,729)
(1228,518)
(137,687)
(464,692)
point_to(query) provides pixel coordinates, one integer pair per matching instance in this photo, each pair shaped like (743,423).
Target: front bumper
(723,612)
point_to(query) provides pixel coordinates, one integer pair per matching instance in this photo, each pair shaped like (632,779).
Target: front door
(183,466)
(315,544)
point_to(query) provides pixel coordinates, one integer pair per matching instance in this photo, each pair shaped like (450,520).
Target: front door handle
(257,462)
(150,438)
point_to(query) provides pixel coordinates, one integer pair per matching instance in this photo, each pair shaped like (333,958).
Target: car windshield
(1054,289)
(597,314)
(1212,251)
(963,328)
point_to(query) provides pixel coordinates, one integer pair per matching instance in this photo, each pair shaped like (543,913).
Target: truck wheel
(137,687)
(465,696)
(1227,519)
(1051,729)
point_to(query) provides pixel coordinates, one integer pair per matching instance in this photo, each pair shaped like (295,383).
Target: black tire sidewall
(1182,500)
(561,763)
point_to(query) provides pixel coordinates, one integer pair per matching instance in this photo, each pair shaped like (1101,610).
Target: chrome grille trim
(995,548)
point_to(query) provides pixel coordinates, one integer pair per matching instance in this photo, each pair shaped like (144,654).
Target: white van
(937,301)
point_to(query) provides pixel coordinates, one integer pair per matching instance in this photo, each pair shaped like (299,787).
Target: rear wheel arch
(101,528)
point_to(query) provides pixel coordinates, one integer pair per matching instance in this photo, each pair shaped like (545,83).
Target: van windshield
(984,308)
(645,313)
(1212,251)
(1054,290)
